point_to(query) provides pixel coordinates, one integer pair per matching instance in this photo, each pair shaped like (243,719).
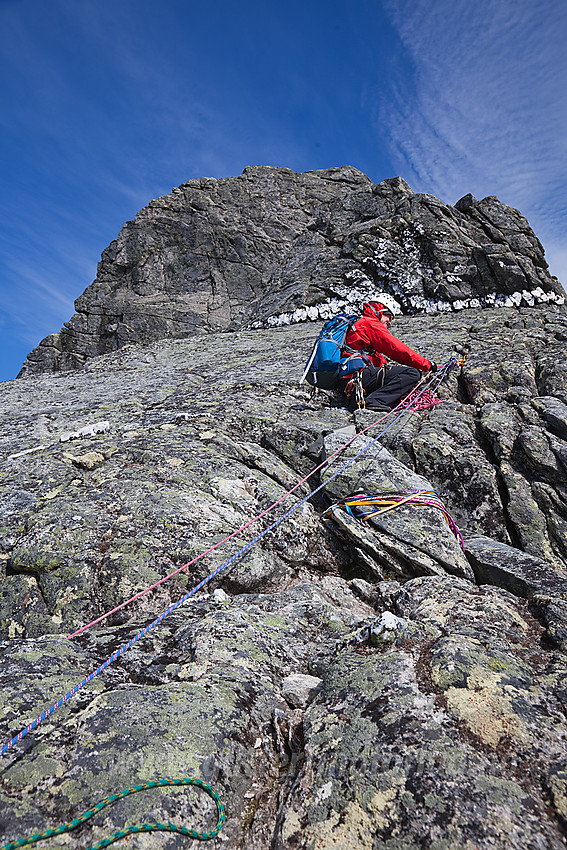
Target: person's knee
(408,377)
(408,373)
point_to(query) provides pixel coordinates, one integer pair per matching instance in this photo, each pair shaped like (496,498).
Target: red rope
(420,401)
(412,401)
(227,538)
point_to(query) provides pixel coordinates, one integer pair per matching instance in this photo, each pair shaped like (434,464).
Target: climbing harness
(417,400)
(364,508)
(130,830)
(431,383)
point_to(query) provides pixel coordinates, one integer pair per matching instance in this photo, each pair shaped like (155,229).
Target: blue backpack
(325,365)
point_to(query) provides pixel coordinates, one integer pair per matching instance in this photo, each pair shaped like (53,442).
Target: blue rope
(435,380)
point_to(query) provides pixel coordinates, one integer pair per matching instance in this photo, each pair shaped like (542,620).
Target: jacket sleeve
(383,341)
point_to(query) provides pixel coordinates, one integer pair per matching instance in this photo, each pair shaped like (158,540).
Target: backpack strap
(309,362)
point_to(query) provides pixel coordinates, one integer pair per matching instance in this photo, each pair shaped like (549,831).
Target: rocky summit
(275,247)
(385,685)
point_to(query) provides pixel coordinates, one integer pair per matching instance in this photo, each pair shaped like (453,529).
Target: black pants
(385,386)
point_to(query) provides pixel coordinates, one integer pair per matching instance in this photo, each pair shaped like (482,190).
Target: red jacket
(371,335)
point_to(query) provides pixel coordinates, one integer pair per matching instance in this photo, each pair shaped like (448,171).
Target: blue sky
(106,104)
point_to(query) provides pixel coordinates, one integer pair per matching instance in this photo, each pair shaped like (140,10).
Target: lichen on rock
(339,683)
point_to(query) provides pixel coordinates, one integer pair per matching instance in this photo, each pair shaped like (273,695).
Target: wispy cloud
(485,109)
(39,299)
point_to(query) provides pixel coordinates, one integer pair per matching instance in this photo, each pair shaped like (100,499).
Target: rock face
(341,685)
(273,246)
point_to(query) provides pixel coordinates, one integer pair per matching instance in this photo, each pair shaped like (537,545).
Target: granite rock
(273,247)
(340,684)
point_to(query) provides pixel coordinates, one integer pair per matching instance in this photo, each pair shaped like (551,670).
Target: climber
(383,385)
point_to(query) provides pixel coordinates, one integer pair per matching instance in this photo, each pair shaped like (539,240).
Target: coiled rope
(432,382)
(421,402)
(131,830)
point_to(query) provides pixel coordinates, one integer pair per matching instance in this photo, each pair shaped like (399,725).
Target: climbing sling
(363,507)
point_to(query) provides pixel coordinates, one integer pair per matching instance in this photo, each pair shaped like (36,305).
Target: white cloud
(485,109)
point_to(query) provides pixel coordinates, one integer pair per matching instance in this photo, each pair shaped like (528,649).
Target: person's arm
(382,340)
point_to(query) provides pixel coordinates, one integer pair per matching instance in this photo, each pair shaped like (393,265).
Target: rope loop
(363,507)
(131,830)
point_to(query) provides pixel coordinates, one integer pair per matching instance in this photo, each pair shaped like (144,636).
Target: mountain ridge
(274,246)
(340,683)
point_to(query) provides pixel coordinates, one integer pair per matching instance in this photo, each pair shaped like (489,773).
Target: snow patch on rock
(418,304)
(401,269)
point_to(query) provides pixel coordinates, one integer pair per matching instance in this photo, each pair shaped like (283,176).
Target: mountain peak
(275,246)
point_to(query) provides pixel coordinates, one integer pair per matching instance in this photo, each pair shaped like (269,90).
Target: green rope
(141,827)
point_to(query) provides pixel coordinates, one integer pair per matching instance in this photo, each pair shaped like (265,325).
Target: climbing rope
(424,402)
(414,404)
(228,537)
(131,830)
(432,382)
(364,508)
